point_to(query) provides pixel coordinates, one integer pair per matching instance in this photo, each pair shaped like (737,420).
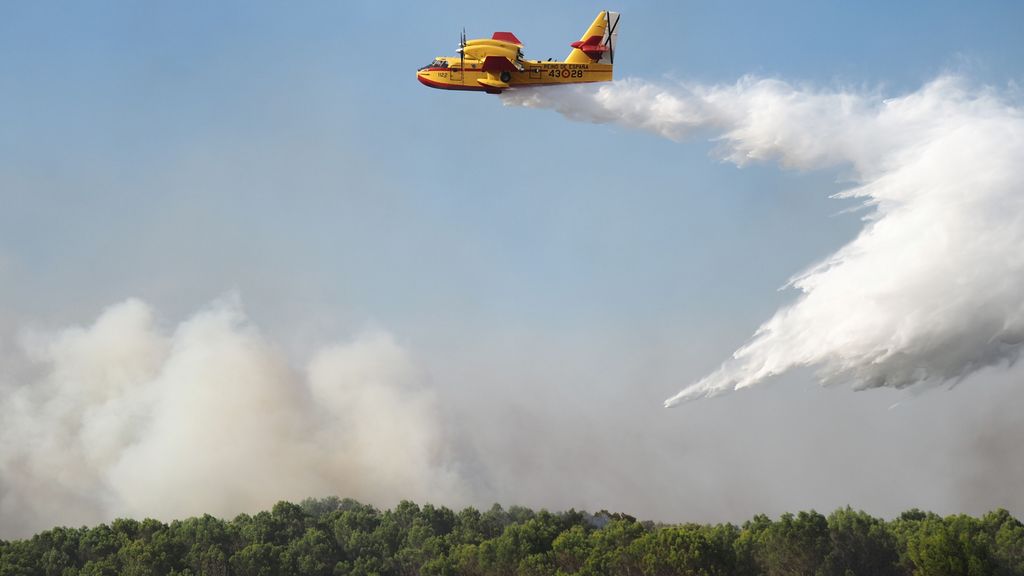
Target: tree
(289,522)
(860,544)
(571,549)
(794,545)
(610,548)
(690,549)
(311,555)
(345,538)
(19,559)
(257,559)
(136,559)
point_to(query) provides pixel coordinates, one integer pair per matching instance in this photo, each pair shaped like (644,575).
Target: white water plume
(932,289)
(124,418)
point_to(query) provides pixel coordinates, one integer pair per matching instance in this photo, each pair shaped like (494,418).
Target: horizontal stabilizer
(592,47)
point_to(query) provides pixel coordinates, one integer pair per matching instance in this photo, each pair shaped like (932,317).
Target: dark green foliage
(332,536)
(860,544)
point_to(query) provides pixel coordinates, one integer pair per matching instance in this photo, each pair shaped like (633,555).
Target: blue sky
(177,151)
(291,140)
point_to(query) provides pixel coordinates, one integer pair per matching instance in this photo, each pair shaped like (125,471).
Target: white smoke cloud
(123,418)
(932,289)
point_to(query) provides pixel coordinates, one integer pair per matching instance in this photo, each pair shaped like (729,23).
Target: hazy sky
(552,281)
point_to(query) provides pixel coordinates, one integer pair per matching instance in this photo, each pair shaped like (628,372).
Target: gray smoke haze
(124,418)
(128,415)
(932,289)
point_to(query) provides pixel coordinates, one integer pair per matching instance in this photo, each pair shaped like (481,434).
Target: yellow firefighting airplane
(496,63)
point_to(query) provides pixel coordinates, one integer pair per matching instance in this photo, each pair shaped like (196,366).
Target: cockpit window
(436,64)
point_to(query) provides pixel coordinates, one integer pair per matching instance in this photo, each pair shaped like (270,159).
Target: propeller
(462,50)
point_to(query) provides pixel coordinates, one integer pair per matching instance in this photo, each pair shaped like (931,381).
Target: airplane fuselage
(535,73)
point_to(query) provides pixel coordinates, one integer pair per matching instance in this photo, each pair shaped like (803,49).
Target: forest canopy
(333,536)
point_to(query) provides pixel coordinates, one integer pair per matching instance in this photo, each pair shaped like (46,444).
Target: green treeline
(334,536)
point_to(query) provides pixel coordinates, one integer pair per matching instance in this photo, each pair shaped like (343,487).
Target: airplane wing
(498,64)
(503,63)
(506,37)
